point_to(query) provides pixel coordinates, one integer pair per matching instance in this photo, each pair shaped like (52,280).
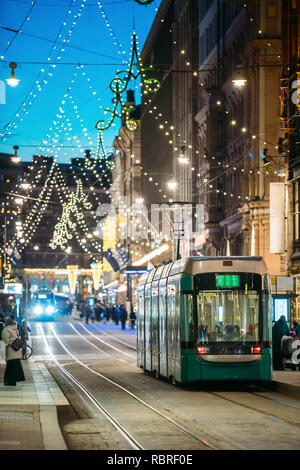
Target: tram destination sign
(135,270)
(227,280)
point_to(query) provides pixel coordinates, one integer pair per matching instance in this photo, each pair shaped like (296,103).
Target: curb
(288,389)
(50,397)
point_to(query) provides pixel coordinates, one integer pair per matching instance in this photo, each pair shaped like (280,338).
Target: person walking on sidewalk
(14,371)
(279,330)
(123,316)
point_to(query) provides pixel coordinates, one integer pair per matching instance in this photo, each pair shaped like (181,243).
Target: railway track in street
(113,337)
(278,413)
(259,407)
(282,403)
(142,412)
(130,411)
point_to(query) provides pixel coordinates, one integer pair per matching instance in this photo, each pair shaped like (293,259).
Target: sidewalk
(28,414)
(287,382)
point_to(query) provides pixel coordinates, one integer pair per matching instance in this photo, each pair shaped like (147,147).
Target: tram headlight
(50,309)
(38,310)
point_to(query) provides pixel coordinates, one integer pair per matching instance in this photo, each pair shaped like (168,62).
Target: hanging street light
(15,158)
(239,81)
(12,81)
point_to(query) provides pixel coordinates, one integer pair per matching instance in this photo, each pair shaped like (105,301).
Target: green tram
(204,319)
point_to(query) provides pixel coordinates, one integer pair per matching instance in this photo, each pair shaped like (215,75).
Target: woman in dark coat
(14,371)
(279,330)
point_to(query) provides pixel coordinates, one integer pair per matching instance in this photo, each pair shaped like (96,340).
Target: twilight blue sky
(98,37)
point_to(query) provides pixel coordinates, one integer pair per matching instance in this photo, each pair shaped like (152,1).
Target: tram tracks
(104,342)
(257,408)
(162,423)
(252,393)
(114,338)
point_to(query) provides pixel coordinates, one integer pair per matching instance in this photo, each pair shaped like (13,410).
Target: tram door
(171,329)
(154,329)
(148,322)
(163,364)
(140,326)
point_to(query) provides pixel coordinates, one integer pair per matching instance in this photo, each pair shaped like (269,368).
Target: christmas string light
(43,76)
(119,85)
(111,32)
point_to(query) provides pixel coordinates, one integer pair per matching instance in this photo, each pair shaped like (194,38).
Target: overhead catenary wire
(57,42)
(16,32)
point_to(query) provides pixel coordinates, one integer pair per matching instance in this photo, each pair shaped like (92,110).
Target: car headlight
(38,310)
(49,309)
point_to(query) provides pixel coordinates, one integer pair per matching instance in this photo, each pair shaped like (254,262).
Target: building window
(272,9)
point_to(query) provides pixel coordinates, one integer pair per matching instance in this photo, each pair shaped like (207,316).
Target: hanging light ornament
(96,273)
(119,85)
(144,2)
(72,278)
(63,231)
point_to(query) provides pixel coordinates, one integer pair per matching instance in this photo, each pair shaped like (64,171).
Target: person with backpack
(13,354)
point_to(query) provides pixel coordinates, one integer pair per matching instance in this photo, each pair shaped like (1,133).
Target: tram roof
(194,265)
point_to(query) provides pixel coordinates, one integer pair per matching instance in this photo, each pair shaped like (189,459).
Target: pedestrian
(107,309)
(81,309)
(2,324)
(87,313)
(75,312)
(296,329)
(123,316)
(132,317)
(13,371)
(2,345)
(117,314)
(92,314)
(113,313)
(98,312)
(23,328)
(280,329)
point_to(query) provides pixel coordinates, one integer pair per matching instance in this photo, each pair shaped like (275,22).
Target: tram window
(227,316)
(234,281)
(187,318)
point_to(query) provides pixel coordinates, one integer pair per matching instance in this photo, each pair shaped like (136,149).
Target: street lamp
(183,160)
(12,81)
(172,185)
(15,158)
(239,81)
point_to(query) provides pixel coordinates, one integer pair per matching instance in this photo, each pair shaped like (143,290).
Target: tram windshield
(228,307)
